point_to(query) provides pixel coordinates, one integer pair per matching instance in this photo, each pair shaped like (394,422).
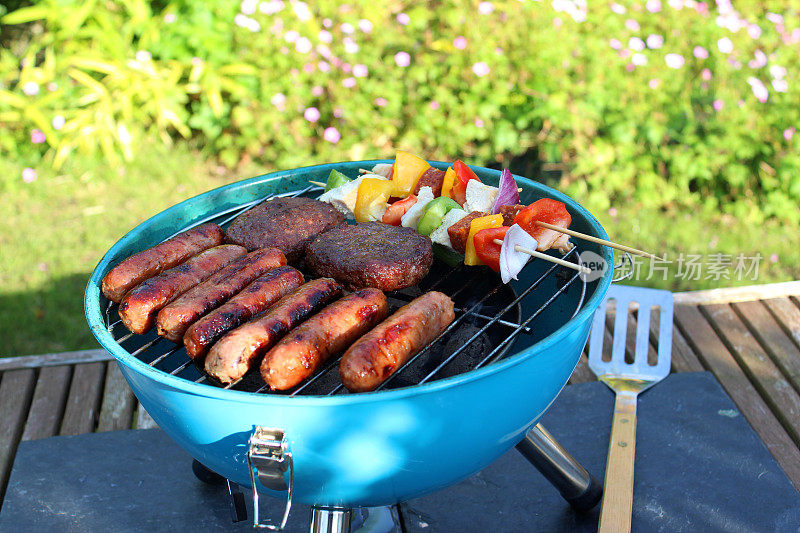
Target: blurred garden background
(674,121)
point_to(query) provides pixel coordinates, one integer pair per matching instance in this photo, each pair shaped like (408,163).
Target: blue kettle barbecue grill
(460,404)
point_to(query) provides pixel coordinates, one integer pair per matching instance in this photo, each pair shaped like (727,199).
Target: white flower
(360,71)
(303,45)
(778,72)
(635,43)
(780,86)
(485,8)
(58,122)
(365,26)
(655,41)
(674,60)
(31,88)
(725,45)
(248,7)
(350,46)
(347,28)
(271,7)
(143,56)
(302,11)
(639,59)
(291,36)
(480,69)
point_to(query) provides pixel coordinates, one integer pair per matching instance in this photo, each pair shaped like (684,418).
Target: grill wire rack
(490,318)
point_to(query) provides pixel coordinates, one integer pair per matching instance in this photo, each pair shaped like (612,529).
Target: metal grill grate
(490,318)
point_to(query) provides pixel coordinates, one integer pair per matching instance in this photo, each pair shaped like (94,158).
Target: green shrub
(662,126)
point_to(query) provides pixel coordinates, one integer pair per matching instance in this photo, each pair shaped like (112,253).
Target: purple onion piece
(508,193)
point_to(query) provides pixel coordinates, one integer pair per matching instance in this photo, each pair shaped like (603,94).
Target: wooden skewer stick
(598,241)
(317,183)
(533,253)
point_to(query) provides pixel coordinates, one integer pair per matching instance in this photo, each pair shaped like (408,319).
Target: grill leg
(330,520)
(581,489)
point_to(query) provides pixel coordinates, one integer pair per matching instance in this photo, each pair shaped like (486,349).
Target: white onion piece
(511,261)
(343,197)
(383,169)
(440,234)
(414,213)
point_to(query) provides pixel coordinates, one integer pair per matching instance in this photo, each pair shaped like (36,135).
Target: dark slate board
(699,467)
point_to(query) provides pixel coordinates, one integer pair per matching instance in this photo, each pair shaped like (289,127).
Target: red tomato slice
(544,210)
(463,175)
(486,249)
(396,211)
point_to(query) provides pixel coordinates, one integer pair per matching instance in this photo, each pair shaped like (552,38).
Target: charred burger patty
(372,254)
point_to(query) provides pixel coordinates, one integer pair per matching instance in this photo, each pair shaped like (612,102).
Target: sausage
(170,253)
(241,349)
(139,307)
(253,299)
(459,232)
(298,355)
(375,356)
(509,212)
(433,178)
(174,319)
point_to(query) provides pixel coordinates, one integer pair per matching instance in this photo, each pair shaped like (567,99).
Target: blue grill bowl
(368,449)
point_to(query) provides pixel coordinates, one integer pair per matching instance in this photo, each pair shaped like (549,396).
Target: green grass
(53,232)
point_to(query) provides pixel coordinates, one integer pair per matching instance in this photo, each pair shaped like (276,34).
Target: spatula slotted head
(639,368)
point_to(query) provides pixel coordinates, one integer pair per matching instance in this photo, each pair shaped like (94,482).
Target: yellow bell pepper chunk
(449,181)
(407,171)
(491,221)
(373,194)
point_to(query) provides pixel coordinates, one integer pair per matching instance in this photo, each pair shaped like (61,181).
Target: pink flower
(291,36)
(460,42)
(360,71)
(725,45)
(325,36)
(31,88)
(780,86)
(615,44)
(347,67)
(700,52)
(350,46)
(347,28)
(485,8)
(58,122)
(303,45)
(630,67)
(402,59)
(403,19)
(28,175)
(478,123)
(52,86)
(638,59)
(338,113)
(169,18)
(773,258)
(557,22)
(759,89)
(381,101)
(365,26)
(480,69)
(311,114)
(624,54)
(327,22)
(317,91)
(775,18)
(349,82)
(655,41)
(324,66)
(271,7)
(434,105)
(718,105)
(754,31)
(279,101)
(705,74)
(632,25)
(331,135)
(612,211)
(653,6)
(618,9)
(654,83)
(788,133)
(308,68)
(635,43)
(37,137)
(759,61)
(284,50)
(674,60)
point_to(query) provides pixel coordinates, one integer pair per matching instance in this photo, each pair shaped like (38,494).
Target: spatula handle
(615,514)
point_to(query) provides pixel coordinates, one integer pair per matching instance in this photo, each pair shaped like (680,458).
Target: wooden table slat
(788,316)
(760,369)
(16,392)
(683,357)
(48,404)
(773,338)
(83,403)
(143,419)
(715,356)
(119,402)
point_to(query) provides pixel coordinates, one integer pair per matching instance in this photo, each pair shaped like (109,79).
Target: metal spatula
(627,380)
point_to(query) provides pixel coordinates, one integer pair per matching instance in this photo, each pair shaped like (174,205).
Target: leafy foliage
(667,103)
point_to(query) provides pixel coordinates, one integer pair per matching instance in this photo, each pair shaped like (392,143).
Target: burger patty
(287,224)
(372,254)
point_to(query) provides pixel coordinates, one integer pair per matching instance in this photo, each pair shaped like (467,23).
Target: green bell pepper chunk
(433,214)
(336,179)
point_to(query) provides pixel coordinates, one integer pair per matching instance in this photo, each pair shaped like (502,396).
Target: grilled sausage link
(139,307)
(170,253)
(256,297)
(375,356)
(297,356)
(241,349)
(174,319)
